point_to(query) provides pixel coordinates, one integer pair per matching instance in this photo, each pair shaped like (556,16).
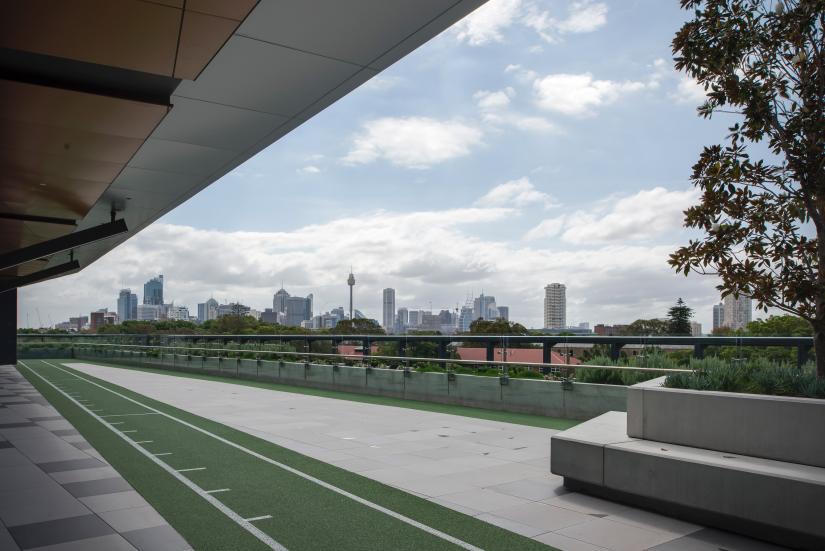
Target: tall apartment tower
(718,315)
(555,306)
(737,312)
(153,291)
(388,300)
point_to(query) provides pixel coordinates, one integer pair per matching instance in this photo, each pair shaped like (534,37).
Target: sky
(535,141)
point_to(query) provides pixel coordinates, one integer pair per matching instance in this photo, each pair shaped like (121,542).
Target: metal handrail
(396,358)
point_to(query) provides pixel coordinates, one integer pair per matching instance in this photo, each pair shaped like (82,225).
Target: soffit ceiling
(98,114)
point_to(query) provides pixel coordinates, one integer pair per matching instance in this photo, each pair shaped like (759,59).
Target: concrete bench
(772,500)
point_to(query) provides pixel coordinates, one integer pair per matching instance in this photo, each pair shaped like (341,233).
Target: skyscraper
(298,309)
(737,312)
(555,306)
(126,305)
(718,315)
(389,309)
(504,313)
(484,307)
(279,300)
(207,310)
(153,291)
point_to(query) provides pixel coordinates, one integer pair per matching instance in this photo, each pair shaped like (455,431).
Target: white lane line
(192,469)
(262,517)
(122,414)
(305,476)
(117,423)
(127,431)
(219,490)
(143,441)
(238,519)
(162,454)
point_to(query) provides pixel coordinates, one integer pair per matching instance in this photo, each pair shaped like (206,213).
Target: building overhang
(124,109)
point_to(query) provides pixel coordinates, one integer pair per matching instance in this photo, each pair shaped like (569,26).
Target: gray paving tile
(709,539)
(7,543)
(63,432)
(112,502)
(70,465)
(38,505)
(23,477)
(530,489)
(59,531)
(615,535)
(80,475)
(10,457)
(159,538)
(6,444)
(48,449)
(558,541)
(112,542)
(98,487)
(137,518)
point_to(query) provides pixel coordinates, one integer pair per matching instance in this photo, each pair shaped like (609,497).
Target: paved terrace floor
(497,472)
(57,493)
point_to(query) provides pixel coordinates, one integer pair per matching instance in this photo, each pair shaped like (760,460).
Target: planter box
(771,427)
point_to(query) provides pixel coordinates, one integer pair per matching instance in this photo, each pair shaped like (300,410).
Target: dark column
(402,347)
(8,327)
(546,352)
(491,351)
(442,350)
(365,345)
(801,354)
(615,351)
(699,351)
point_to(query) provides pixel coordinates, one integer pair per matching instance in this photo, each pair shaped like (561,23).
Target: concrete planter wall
(537,397)
(771,427)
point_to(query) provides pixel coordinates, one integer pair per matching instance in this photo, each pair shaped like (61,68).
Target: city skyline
(531,173)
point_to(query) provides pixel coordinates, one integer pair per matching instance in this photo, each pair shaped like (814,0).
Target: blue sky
(535,141)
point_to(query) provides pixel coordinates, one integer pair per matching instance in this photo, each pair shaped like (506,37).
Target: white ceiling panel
(180,157)
(256,75)
(358,31)
(140,180)
(213,125)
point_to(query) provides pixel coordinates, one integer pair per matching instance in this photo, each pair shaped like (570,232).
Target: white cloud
(545,229)
(517,193)
(494,107)
(645,215)
(428,256)
(582,17)
(309,169)
(579,94)
(486,24)
(412,142)
(689,91)
(494,100)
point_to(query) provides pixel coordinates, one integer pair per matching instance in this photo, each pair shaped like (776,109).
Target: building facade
(718,315)
(388,302)
(126,305)
(153,291)
(149,312)
(737,312)
(555,306)
(207,310)
(484,307)
(298,310)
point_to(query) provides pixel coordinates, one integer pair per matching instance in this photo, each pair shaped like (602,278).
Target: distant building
(695,329)
(127,305)
(279,301)
(555,306)
(718,315)
(388,301)
(79,323)
(484,307)
(207,310)
(233,309)
(584,325)
(153,291)
(177,313)
(101,317)
(148,312)
(608,330)
(415,317)
(429,322)
(402,319)
(298,310)
(271,316)
(737,312)
(504,313)
(465,318)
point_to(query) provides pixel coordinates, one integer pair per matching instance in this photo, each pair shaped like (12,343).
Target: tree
(780,326)
(679,318)
(358,326)
(650,328)
(762,209)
